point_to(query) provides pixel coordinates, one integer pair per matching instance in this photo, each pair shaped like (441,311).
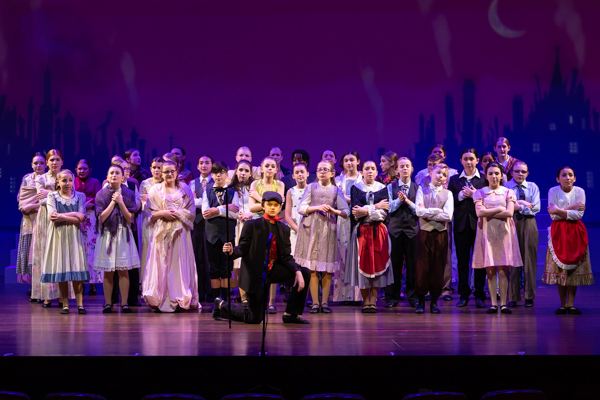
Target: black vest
(199,192)
(403,219)
(216,228)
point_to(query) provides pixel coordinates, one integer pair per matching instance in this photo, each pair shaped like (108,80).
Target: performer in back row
(281,267)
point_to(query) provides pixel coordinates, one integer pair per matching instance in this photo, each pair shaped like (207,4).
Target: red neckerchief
(272,220)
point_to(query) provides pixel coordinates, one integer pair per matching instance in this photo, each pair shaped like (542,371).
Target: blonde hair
(331,168)
(62,172)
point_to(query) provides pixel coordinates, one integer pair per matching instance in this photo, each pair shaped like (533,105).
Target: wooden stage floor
(27,329)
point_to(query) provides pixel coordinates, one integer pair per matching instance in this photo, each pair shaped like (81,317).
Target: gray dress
(317,245)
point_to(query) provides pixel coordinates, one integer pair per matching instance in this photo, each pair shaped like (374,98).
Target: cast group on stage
(373,228)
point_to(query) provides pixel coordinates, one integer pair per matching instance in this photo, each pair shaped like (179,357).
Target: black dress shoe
(216,311)
(65,310)
(528,303)
(420,309)
(293,319)
(512,303)
(48,305)
(32,300)
(81,310)
(434,309)
(573,311)
(392,304)
(492,310)
(561,311)
(126,310)
(505,310)
(462,303)
(480,303)
(447,297)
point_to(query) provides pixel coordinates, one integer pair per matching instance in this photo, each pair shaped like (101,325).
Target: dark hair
(391,157)
(38,154)
(470,150)
(54,152)
(370,161)
(113,165)
(157,160)
(235,182)
(128,153)
(304,155)
(335,155)
(436,158)
(207,156)
(219,167)
(489,153)
(85,161)
(441,146)
(564,167)
(494,164)
(351,153)
(62,171)
(180,148)
(299,164)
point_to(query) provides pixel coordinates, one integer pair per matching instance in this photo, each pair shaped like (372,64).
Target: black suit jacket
(464,211)
(253,250)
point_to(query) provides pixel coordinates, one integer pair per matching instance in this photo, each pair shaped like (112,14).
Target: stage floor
(27,329)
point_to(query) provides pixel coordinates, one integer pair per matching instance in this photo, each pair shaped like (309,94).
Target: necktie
(520,192)
(220,197)
(468,182)
(204,183)
(404,189)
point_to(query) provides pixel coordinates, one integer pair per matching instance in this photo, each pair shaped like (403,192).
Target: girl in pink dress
(496,244)
(170,280)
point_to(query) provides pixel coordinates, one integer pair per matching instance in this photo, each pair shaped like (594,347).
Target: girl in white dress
(293,199)
(342,291)
(115,248)
(64,256)
(146,185)
(241,182)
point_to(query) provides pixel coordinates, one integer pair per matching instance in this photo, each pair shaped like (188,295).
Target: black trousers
(403,251)
(465,242)
(255,312)
(201,257)
(134,282)
(221,266)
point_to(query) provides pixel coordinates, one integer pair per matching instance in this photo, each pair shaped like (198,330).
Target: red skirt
(373,250)
(569,242)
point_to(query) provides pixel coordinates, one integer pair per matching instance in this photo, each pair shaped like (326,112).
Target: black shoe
(309,303)
(32,300)
(492,310)
(216,312)
(561,311)
(293,319)
(420,309)
(573,311)
(107,309)
(272,310)
(447,297)
(505,310)
(65,310)
(434,308)
(512,303)
(325,309)
(427,297)
(462,303)
(528,303)
(392,304)
(315,309)
(81,310)
(480,303)
(47,305)
(125,309)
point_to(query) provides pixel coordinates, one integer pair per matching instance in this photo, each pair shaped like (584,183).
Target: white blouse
(562,199)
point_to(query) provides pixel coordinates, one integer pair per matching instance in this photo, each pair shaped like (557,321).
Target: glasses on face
(323,170)
(170,172)
(219,173)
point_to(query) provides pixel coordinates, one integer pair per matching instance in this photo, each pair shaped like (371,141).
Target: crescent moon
(498,26)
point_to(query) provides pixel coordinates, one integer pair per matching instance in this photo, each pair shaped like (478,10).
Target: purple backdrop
(365,76)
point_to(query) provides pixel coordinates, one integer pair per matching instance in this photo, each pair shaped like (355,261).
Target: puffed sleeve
(510,196)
